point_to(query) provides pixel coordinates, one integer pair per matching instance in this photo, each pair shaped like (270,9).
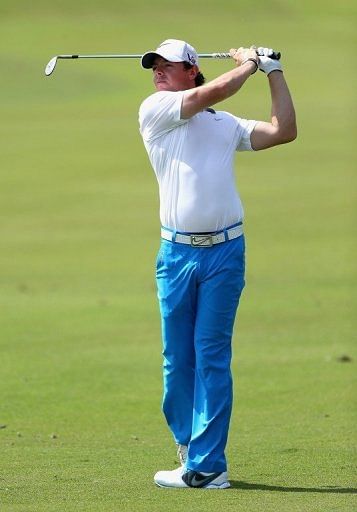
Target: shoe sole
(171,486)
(225,485)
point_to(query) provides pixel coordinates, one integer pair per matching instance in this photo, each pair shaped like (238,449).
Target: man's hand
(243,55)
(266,64)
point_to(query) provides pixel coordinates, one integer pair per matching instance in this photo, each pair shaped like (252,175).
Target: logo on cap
(191,58)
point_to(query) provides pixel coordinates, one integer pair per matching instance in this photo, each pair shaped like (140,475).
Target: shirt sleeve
(244,129)
(160,113)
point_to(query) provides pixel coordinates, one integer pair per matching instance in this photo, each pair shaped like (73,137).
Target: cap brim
(147,60)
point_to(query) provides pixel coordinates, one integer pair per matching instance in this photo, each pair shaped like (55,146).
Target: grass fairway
(80,363)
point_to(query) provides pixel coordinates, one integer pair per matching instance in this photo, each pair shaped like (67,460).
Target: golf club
(52,64)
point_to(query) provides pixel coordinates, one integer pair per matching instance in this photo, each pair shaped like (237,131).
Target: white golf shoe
(183,478)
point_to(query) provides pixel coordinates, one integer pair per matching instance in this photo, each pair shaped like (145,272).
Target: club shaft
(217,55)
(52,64)
(136,56)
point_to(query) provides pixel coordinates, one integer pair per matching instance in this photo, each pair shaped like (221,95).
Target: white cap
(172,50)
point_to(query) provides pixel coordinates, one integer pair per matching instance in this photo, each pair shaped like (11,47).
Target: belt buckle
(201,240)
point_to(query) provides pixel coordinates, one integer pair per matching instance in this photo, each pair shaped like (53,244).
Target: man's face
(172,76)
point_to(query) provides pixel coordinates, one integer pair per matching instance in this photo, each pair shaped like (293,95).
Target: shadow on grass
(238,484)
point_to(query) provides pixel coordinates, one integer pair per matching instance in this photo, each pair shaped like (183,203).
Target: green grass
(80,363)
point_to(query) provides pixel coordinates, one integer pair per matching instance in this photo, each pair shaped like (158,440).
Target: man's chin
(162,86)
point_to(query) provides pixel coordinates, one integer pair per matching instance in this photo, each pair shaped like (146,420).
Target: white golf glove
(266,64)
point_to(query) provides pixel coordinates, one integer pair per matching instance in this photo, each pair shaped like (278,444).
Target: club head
(50,66)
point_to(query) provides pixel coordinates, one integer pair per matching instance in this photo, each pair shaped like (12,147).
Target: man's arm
(282,127)
(199,98)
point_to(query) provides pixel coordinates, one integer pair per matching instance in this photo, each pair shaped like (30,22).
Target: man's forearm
(282,127)
(215,91)
(282,110)
(229,83)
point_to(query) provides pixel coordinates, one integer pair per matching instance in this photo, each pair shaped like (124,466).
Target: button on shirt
(193,160)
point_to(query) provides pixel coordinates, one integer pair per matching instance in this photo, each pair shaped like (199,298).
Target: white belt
(202,239)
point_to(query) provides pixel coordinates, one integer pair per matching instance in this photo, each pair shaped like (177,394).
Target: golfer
(200,264)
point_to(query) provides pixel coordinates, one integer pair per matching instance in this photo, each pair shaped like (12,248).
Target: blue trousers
(199,291)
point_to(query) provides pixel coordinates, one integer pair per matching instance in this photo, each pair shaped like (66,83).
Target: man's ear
(193,72)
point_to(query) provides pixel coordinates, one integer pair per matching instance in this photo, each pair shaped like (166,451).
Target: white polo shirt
(193,160)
